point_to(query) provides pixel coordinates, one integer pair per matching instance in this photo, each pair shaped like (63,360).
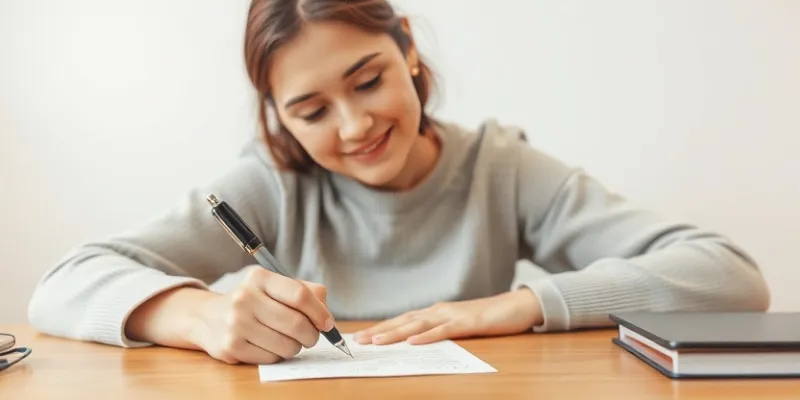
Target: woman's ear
(412,57)
(406,26)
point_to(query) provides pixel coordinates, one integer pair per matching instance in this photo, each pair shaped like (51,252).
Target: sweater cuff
(580,299)
(555,314)
(106,320)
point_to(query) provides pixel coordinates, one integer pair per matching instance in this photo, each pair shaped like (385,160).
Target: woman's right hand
(267,318)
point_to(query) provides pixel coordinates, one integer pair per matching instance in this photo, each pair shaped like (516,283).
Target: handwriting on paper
(399,359)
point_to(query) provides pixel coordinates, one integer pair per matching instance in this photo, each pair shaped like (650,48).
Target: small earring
(415,71)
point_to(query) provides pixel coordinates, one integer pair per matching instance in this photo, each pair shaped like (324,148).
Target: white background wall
(111,109)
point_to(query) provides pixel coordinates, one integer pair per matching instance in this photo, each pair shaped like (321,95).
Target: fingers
(320,291)
(268,339)
(438,322)
(236,349)
(300,297)
(441,332)
(286,321)
(268,318)
(402,332)
(367,336)
(305,297)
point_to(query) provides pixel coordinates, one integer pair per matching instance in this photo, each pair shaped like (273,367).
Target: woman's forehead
(321,52)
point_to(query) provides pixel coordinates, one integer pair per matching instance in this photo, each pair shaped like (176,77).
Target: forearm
(169,318)
(91,293)
(691,276)
(608,255)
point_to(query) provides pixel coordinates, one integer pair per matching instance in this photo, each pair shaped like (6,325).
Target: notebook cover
(673,375)
(684,330)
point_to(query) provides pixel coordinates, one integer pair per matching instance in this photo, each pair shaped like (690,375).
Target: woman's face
(348,97)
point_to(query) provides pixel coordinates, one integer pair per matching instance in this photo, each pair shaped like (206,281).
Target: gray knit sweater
(491,201)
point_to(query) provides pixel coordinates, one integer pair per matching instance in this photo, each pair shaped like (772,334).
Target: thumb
(319,290)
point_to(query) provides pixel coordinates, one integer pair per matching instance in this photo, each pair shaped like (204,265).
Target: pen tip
(212,199)
(343,347)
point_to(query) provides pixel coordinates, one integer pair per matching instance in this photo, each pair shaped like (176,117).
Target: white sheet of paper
(398,359)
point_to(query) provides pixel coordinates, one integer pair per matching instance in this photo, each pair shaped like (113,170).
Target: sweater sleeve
(90,293)
(607,255)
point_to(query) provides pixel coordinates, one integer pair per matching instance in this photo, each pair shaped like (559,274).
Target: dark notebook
(708,345)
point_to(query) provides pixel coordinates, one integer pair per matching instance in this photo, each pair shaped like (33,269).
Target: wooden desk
(577,365)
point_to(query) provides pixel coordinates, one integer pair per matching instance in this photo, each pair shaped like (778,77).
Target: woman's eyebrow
(358,64)
(349,71)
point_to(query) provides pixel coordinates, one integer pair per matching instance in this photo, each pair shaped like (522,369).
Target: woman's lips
(373,150)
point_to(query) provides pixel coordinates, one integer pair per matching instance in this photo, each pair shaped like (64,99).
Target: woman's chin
(384,176)
(382,180)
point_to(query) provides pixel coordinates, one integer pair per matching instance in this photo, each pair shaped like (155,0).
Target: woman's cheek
(321,145)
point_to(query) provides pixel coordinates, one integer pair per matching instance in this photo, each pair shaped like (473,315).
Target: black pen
(250,243)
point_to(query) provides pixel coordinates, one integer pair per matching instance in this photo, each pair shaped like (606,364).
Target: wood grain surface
(574,365)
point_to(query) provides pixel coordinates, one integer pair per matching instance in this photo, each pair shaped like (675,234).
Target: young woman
(383,213)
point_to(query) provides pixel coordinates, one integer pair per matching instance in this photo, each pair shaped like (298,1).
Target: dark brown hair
(270,23)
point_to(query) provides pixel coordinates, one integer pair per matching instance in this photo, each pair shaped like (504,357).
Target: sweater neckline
(394,202)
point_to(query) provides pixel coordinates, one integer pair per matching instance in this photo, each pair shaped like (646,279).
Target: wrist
(530,306)
(170,318)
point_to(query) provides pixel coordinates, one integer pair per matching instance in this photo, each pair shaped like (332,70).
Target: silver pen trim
(341,345)
(267,260)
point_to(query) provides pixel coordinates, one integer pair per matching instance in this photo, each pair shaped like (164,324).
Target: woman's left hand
(505,314)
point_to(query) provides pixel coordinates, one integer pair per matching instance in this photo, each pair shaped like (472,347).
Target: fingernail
(329,324)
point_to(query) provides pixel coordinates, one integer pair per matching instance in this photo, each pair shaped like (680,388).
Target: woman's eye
(315,115)
(371,84)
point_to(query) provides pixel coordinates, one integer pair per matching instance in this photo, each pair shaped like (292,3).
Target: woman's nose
(355,123)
